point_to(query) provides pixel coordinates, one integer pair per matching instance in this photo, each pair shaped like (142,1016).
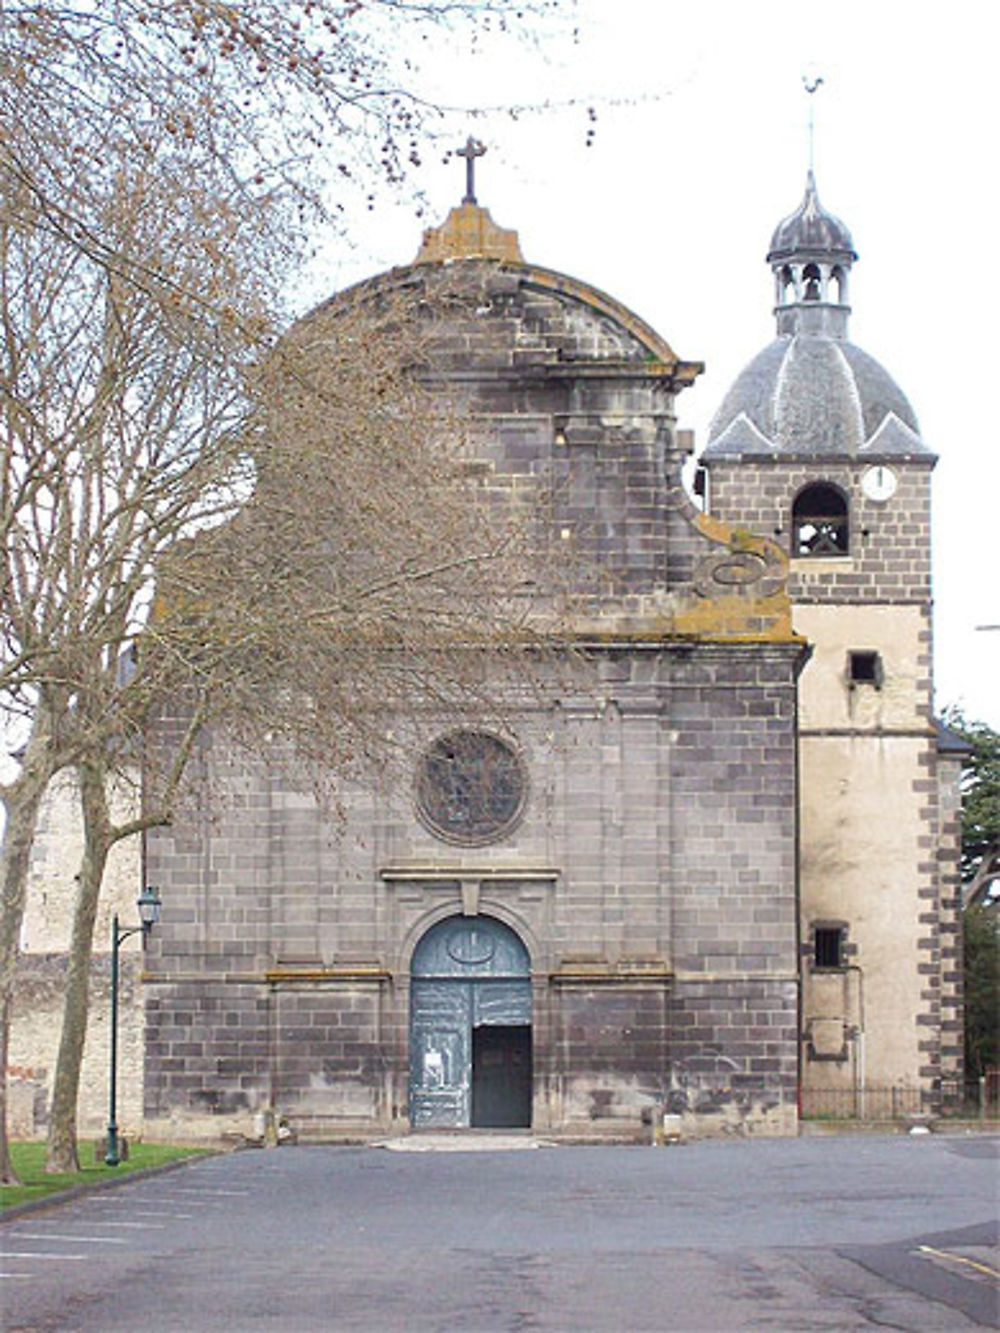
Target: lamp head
(148,904)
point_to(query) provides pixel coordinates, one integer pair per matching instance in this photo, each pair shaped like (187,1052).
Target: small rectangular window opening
(828,946)
(864,668)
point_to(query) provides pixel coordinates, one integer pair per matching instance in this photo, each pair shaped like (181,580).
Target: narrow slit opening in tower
(864,667)
(828,947)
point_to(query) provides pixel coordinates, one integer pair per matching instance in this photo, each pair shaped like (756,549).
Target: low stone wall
(39,988)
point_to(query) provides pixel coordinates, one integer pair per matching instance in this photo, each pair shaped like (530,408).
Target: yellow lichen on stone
(735,617)
(468,232)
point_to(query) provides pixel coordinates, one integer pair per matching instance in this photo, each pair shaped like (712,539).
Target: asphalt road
(822,1233)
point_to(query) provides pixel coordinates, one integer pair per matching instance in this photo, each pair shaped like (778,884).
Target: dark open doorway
(501,1077)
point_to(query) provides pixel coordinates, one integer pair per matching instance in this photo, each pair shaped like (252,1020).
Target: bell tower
(811,256)
(816,446)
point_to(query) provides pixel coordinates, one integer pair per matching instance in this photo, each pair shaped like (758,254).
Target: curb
(58,1197)
(940,1128)
(453,1143)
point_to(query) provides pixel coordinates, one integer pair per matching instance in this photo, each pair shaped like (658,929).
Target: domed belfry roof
(810,230)
(814,396)
(812,392)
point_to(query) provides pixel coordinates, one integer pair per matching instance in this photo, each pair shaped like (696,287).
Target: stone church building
(717,875)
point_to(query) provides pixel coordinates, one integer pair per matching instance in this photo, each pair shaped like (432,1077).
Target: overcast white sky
(700,148)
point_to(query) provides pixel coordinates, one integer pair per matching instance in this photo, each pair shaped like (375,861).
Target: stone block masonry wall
(732,798)
(658,826)
(867,754)
(889,544)
(218,1052)
(938,913)
(656,853)
(950,918)
(330,1054)
(733,1062)
(482,317)
(208,1052)
(244,867)
(610,1047)
(566,404)
(734,1010)
(721,1053)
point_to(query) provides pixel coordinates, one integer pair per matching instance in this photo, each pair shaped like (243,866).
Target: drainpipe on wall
(859,1043)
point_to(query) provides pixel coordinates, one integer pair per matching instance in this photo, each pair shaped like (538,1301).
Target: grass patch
(29,1163)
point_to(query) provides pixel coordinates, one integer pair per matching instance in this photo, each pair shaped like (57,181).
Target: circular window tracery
(471,787)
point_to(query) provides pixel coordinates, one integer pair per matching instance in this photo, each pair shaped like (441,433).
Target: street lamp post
(148,904)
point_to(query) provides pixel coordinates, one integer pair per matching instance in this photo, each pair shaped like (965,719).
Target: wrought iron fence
(972,1099)
(975,1097)
(868,1103)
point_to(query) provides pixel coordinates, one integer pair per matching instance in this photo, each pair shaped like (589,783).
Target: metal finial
(473,149)
(810,86)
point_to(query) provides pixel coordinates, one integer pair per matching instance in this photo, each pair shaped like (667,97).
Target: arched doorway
(470,1027)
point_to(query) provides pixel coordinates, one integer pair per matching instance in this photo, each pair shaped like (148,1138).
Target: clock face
(879,483)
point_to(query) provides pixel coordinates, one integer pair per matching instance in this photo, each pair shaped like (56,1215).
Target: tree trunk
(22,799)
(99,835)
(61,1152)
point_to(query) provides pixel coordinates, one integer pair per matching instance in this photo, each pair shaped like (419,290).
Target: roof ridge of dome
(896,437)
(741,436)
(855,392)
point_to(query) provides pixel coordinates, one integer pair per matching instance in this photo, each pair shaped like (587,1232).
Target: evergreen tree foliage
(981,922)
(980,790)
(982,990)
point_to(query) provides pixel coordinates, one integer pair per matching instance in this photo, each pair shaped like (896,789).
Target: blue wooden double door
(470,1027)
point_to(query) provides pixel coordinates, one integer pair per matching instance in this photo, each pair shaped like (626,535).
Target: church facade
(714,873)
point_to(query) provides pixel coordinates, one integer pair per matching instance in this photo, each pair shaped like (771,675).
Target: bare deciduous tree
(150,203)
(317,100)
(122,406)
